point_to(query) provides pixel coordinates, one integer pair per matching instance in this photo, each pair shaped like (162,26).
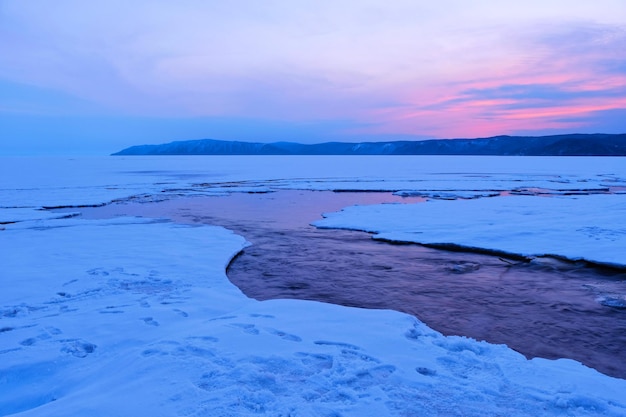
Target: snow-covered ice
(590,227)
(130,317)
(133,316)
(53,182)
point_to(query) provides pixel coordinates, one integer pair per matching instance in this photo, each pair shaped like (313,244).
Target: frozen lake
(544,308)
(103,314)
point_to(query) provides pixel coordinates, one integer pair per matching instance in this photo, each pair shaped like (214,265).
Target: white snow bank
(127,317)
(590,227)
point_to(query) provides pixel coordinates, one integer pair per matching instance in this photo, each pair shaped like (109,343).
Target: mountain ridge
(554,145)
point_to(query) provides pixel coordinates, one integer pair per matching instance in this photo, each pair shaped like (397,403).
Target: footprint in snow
(28,342)
(78,347)
(349,351)
(32,340)
(211,339)
(252,329)
(112,310)
(285,336)
(98,272)
(53,331)
(150,321)
(247,328)
(426,371)
(316,360)
(355,354)
(152,352)
(337,344)
(223,318)
(11,312)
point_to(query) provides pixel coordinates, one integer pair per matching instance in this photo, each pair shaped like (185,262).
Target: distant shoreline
(555,145)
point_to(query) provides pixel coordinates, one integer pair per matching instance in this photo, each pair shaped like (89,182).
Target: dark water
(545,308)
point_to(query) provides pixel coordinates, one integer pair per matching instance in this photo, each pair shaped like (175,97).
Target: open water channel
(544,308)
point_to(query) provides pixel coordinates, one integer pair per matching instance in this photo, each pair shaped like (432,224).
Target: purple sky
(80,77)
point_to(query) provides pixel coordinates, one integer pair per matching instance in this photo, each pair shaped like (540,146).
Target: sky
(92,78)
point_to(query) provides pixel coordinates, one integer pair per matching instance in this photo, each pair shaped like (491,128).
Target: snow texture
(131,316)
(590,227)
(136,318)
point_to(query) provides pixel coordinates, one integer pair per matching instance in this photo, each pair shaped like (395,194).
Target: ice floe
(591,227)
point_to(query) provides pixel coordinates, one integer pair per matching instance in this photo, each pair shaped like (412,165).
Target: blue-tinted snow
(136,317)
(589,227)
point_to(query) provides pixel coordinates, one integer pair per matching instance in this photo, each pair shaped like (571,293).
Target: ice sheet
(53,182)
(129,317)
(590,227)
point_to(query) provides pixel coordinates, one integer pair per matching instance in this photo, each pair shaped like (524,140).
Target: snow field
(131,317)
(128,317)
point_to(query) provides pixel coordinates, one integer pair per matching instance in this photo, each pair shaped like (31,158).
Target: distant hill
(557,145)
